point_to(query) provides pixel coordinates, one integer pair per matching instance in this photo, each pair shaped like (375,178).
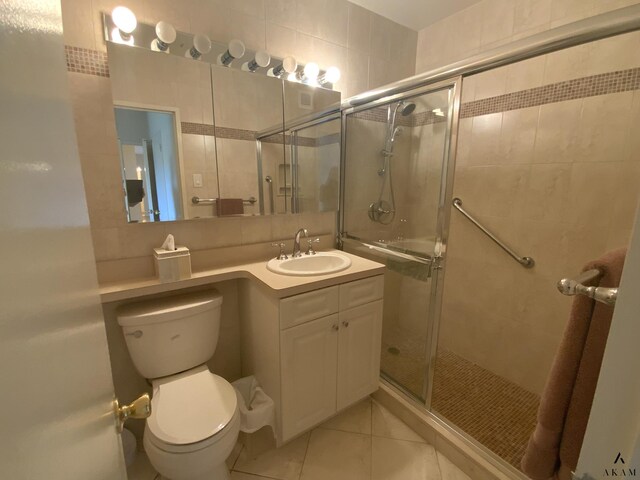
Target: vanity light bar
(163,37)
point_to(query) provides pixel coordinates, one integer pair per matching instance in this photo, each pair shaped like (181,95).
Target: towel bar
(203,201)
(571,287)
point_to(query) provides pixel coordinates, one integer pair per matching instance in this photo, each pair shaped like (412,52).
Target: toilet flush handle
(139,408)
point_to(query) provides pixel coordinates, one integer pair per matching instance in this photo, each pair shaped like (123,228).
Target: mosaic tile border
(594,85)
(84,60)
(93,62)
(250,135)
(379,114)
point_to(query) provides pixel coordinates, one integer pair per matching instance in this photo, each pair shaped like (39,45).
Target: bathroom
(525,111)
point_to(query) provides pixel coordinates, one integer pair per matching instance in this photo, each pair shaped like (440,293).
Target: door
(56,412)
(396,176)
(309,354)
(359,352)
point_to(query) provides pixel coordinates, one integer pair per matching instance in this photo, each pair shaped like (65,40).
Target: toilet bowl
(195,419)
(194,426)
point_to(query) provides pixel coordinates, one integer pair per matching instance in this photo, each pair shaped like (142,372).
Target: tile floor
(364,442)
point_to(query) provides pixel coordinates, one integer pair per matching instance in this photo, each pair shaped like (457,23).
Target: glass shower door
(394,180)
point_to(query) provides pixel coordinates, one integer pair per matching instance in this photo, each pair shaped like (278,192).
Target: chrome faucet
(296,242)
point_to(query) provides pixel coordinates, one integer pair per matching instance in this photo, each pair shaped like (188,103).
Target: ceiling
(415,14)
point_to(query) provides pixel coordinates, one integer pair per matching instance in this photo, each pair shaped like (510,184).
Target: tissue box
(172,265)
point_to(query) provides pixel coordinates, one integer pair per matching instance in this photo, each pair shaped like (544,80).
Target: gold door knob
(139,408)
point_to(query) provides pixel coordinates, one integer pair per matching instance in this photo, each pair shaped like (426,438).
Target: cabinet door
(309,354)
(359,352)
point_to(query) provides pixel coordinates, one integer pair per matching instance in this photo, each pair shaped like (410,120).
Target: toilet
(195,419)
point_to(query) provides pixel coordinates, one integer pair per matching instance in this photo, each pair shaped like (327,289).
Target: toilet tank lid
(168,308)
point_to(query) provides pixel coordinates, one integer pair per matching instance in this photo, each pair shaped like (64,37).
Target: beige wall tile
(281,12)
(485,139)
(525,75)
(604,129)
(325,19)
(280,41)
(359,29)
(77,23)
(567,64)
(531,14)
(558,132)
(518,136)
(357,74)
(497,20)
(491,83)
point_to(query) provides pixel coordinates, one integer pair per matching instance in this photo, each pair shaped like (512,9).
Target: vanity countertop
(281,285)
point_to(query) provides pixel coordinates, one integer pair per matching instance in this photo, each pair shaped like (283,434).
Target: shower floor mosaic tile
(497,413)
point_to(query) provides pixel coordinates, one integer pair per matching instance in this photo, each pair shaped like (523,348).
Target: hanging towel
(229,206)
(554,446)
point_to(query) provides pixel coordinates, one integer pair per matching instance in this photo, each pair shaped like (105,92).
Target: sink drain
(393,350)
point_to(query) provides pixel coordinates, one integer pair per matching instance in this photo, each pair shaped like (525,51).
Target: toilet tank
(172,334)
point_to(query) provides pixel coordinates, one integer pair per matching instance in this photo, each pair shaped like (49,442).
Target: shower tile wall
(554,173)
(558,182)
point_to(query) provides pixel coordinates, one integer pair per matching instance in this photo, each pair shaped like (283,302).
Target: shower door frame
(432,316)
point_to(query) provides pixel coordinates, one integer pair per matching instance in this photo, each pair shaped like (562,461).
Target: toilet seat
(231,429)
(191,410)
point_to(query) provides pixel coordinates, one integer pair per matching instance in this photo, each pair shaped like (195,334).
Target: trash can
(256,407)
(129,447)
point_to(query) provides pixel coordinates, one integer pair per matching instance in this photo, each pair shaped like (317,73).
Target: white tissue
(169,243)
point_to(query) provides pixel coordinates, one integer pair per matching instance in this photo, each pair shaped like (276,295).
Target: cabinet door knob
(345,323)
(335,327)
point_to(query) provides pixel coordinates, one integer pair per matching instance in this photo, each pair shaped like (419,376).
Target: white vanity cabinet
(315,353)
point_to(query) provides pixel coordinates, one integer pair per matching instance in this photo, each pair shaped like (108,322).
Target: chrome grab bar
(576,286)
(272,207)
(526,262)
(207,201)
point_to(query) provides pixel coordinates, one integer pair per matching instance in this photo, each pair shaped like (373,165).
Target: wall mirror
(203,140)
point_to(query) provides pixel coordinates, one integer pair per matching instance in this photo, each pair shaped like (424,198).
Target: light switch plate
(197,180)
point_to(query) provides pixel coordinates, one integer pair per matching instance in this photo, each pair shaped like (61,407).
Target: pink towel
(229,206)
(554,446)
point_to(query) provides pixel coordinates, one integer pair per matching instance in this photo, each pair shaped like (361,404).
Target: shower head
(406,108)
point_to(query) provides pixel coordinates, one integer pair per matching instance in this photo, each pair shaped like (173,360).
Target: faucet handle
(282,255)
(310,242)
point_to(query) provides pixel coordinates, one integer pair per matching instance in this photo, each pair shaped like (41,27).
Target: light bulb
(235,50)
(166,35)
(124,19)
(201,46)
(288,65)
(118,37)
(332,75)
(262,59)
(311,71)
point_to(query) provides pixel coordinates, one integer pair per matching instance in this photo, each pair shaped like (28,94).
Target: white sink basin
(319,264)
